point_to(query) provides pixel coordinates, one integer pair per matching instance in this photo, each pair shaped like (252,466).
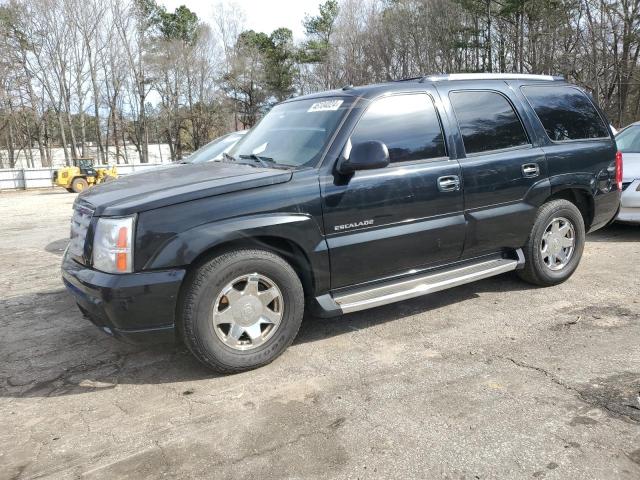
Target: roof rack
(409,79)
(490,76)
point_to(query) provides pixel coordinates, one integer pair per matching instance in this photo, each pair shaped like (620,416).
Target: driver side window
(407,124)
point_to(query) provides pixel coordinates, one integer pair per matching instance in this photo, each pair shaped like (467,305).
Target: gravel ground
(495,379)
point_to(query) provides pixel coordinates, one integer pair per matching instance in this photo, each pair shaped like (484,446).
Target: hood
(162,187)
(630,166)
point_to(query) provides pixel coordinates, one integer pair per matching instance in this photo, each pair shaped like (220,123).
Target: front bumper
(135,307)
(630,203)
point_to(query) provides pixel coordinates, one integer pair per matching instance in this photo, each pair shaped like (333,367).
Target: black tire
(205,284)
(79,184)
(535,270)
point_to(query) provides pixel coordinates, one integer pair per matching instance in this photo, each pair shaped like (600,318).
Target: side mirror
(365,156)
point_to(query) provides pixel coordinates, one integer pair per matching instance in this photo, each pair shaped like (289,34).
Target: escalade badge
(347,226)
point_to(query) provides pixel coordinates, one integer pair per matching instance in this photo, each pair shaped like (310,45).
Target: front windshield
(628,140)
(214,149)
(293,134)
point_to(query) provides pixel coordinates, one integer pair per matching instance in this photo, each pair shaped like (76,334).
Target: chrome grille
(79,225)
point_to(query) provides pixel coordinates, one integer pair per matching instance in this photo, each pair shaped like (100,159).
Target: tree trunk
(10,144)
(44,161)
(63,138)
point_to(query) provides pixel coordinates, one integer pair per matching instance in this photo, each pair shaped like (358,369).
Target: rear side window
(407,124)
(566,113)
(487,121)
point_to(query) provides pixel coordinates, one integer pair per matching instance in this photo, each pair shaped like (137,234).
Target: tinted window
(566,113)
(407,124)
(487,121)
(628,140)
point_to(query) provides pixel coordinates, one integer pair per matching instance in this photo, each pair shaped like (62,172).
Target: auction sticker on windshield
(326,106)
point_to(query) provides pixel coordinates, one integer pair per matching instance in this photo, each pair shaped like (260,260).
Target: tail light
(619,170)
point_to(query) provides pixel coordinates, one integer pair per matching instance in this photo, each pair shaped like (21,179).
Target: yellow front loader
(83,175)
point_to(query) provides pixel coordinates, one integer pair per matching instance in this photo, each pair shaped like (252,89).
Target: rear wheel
(241,310)
(79,185)
(555,244)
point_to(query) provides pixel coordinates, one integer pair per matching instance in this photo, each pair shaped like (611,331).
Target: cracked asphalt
(496,379)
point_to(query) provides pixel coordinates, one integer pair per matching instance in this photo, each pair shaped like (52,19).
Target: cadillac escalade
(346,200)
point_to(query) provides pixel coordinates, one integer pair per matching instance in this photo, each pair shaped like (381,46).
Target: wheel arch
(286,248)
(580,197)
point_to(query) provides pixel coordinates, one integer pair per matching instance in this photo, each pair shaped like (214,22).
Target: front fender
(298,229)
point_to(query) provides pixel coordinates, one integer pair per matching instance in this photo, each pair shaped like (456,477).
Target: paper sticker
(326,106)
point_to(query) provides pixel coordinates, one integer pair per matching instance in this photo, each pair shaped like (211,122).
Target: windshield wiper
(227,156)
(264,161)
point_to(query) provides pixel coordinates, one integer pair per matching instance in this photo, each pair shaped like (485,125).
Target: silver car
(628,140)
(215,149)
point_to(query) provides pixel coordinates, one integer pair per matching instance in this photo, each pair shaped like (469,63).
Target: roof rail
(409,79)
(490,76)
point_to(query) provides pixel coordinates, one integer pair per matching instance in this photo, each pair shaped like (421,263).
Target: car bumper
(134,307)
(630,204)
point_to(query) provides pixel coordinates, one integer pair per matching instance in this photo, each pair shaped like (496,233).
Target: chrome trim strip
(391,292)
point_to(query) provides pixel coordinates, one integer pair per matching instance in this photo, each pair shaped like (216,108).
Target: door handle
(450,183)
(530,170)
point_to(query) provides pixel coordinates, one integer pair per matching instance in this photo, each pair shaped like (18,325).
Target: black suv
(346,200)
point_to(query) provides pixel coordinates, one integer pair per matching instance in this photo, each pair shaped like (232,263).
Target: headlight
(112,245)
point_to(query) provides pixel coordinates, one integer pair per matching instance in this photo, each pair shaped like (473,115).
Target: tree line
(93,76)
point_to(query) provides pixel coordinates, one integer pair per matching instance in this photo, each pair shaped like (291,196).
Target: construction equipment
(83,175)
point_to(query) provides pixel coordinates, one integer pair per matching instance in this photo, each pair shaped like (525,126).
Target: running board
(396,291)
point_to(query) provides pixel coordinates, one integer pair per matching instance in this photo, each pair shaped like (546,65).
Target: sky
(260,15)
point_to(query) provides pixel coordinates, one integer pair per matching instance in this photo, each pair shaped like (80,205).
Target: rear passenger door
(578,146)
(391,221)
(502,170)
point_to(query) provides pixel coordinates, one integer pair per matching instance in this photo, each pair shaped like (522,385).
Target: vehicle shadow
(47,349)
(314,329)
(616,232)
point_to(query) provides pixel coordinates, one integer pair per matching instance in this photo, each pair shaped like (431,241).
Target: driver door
(407,216)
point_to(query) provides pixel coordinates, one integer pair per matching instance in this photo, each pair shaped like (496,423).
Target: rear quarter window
(566,113)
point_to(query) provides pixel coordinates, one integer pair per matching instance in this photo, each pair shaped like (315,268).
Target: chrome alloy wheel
(248,311)
(558,243)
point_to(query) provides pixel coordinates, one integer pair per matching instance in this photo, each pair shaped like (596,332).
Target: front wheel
(79,184)
(555,244)
(241,310)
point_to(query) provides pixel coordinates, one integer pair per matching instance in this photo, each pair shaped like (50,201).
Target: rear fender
(585,182)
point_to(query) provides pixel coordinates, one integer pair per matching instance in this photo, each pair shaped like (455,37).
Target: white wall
(158,153)
(23,178)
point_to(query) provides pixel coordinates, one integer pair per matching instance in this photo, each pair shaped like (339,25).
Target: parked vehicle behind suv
(628,140)
(346,200)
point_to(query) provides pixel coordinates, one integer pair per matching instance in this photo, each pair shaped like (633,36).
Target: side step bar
(396,291)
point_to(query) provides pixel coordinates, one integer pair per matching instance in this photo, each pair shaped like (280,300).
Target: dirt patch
(618,395)
(597,316)
(57,247)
